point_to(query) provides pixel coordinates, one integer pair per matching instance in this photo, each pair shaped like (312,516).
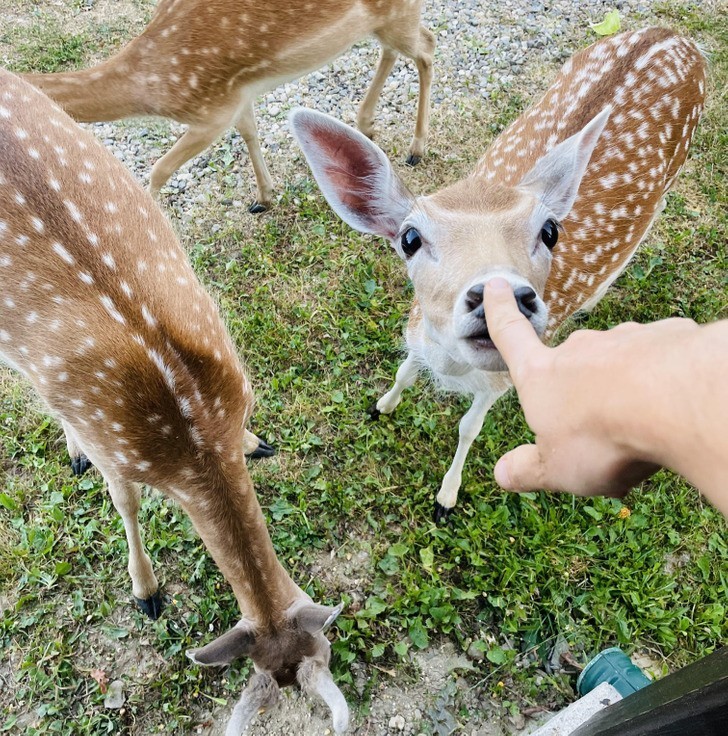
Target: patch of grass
(318,313)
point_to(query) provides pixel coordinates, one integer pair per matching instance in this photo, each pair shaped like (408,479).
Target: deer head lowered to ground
(203,63)
(102,313)
(557,205)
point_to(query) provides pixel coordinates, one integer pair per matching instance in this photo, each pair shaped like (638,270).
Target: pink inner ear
(349,168)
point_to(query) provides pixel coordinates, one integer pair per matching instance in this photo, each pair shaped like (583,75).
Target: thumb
(520,470)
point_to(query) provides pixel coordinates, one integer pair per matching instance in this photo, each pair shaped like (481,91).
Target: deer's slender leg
(79,462)
(469,429)
(127,499)
(193,141)
(420,47)
(423,59)
(406,376)
(245,123)
(365,118)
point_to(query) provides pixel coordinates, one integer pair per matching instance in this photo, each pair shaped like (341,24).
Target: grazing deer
(101,311)
(557,205)
(204,63)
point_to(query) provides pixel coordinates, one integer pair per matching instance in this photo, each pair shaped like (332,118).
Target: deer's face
(457,239)
(453,242)
(288,655)
(294,651)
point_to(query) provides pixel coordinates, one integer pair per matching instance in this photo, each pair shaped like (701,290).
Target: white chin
(485,357)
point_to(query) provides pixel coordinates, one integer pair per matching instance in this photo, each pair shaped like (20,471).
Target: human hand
(577,398)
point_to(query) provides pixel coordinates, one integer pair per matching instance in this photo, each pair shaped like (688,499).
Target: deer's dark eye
(411,242)
(550,233)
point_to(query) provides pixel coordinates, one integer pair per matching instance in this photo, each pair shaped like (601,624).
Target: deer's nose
(526,300)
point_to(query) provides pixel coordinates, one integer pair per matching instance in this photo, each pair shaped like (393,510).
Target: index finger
(509,330)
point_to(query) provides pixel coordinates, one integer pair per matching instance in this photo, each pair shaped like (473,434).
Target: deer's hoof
(262,450)
(151,606)
(413,159)
(442,513)
(80,464)
(374,413)
(256,208)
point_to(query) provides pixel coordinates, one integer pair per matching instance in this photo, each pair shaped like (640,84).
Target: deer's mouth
(480,339)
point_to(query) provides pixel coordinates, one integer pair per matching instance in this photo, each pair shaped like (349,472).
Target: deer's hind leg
(126,497)
(417,44)
(79,462)
(255,447)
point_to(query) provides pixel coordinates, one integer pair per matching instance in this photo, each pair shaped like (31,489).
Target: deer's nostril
(527,301)
(474,297)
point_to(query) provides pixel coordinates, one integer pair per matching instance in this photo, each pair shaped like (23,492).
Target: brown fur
(586,248)
(186,438)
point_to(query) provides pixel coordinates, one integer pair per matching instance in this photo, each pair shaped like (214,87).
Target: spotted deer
(557,205)
(100,310)
(204,63)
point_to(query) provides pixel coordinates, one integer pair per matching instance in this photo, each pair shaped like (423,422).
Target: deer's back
(655,82)
(99,306)
(194,55)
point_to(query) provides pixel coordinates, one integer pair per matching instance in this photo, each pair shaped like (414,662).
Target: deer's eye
(550,233)
(411,242)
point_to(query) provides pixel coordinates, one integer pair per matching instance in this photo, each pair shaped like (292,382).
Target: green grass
(318,311)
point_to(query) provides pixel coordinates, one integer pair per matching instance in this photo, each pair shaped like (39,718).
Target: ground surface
(455,629)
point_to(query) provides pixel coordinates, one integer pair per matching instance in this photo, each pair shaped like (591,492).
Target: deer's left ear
(312,618)
(354,175)
(556,177)
(233,644)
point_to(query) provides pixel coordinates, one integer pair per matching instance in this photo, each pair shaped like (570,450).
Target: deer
(557,206)
(101,311)
(204,62)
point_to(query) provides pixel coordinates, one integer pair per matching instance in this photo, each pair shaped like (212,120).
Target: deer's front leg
(127,499)
(469,429)
(406,376)
(264,184)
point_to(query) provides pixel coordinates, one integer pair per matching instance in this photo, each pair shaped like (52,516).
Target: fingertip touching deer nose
(526,300)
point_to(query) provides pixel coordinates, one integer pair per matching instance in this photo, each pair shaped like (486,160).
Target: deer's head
(457,239)
(294,652)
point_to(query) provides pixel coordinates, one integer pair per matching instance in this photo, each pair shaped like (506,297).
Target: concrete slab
(569,719)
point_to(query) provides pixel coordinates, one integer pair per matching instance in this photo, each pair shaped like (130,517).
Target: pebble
(115,698)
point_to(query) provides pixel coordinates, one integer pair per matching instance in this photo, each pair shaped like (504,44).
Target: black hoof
(413,160)
(374,413)
(256,208)
(442,513)
(262,450)
(80,464)
(152,606)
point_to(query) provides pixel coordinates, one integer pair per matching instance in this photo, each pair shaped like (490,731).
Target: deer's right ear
(354,175)
(233,644)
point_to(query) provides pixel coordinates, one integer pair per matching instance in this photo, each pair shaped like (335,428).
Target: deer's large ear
(228,647)
(313,618)
(556,177)
(354,175)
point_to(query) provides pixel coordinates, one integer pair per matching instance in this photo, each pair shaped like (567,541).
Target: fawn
(204,64)
(102,313)
(558,205)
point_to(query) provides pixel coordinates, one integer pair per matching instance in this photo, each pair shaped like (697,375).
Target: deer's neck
(229,519)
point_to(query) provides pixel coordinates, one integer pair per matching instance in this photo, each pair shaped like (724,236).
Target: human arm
(609,408)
